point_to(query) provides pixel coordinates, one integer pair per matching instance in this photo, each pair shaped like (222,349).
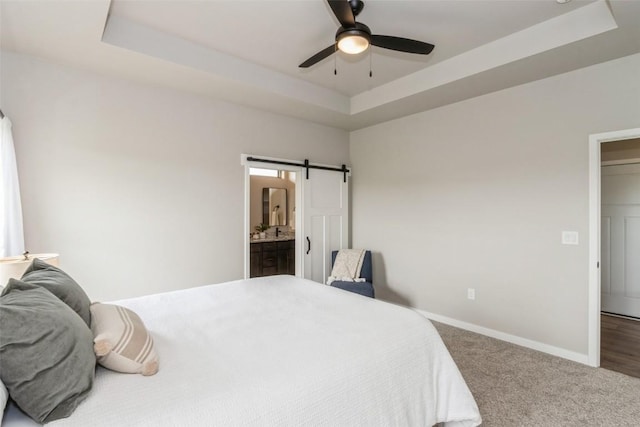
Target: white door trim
(594,235)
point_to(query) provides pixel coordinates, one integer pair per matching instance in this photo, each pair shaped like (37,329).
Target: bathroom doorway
(272,221)
(317,215)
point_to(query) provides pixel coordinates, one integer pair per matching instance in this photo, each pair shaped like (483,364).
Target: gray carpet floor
(516,386)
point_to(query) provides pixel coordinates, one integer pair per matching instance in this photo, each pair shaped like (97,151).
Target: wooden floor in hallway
(620,344)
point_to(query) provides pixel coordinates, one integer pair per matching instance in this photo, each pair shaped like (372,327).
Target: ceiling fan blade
(343,12)
(401,44)
(318,56)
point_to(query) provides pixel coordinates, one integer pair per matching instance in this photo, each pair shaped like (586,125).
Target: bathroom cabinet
(272,257)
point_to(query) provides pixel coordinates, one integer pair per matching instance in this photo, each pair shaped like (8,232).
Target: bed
(279,351)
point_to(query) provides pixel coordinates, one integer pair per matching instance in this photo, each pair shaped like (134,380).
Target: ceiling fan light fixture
(355,37)
(353,42)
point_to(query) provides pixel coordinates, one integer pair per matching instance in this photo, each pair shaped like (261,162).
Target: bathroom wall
(260,182)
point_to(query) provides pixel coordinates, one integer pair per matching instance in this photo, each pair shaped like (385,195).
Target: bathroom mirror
(274,206)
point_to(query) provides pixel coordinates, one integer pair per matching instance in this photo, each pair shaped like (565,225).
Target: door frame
(595,141)
(247,208)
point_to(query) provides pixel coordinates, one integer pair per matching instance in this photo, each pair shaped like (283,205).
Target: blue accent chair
(362,288)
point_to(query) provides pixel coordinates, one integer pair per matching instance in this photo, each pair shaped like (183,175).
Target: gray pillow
(61,285)
(46,352)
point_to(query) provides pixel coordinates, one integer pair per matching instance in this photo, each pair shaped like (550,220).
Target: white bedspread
(280,351)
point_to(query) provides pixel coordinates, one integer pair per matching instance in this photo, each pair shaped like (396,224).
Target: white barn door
(326,221)
(620,240)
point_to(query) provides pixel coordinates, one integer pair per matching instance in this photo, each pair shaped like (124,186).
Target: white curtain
(11,233)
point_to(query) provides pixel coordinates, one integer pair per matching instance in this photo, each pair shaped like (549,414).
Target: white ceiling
(248,51)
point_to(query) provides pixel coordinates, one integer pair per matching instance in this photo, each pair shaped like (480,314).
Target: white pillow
(4,396)
(121,341)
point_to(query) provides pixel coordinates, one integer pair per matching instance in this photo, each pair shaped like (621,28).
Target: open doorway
(596,142)
(317,217)
(272,222)
(619,252)
(620,228)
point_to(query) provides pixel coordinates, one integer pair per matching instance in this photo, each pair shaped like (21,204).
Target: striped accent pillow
(121,341)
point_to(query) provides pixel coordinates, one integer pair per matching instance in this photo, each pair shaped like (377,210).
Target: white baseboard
(534,345)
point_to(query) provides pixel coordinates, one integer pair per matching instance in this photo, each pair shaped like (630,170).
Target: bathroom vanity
(273,256)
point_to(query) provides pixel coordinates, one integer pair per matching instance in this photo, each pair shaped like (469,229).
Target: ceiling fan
(355,37)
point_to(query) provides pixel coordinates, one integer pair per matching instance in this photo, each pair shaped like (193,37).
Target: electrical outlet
(471,293)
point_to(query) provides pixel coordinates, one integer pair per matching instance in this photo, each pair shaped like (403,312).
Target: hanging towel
(347,266)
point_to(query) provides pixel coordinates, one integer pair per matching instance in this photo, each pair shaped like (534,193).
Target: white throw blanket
(347,266)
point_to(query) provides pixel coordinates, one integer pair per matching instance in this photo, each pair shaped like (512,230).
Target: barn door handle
(308,245)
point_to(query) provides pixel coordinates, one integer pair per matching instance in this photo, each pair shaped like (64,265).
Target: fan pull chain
(335,60)
(370,67)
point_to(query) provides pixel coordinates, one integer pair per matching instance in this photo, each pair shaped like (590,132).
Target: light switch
(569,237)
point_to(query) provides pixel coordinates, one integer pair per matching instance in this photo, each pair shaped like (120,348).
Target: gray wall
(476,195)
(140,188)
